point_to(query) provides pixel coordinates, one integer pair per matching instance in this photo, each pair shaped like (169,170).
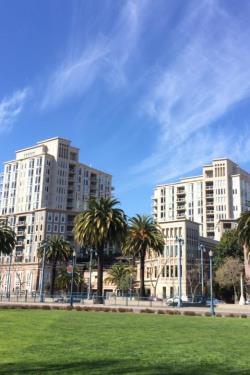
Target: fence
(82,298)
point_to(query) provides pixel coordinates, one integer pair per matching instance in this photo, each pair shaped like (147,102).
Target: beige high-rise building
(41,192)
(222,192)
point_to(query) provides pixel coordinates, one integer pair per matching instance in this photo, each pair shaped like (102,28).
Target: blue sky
(148,90)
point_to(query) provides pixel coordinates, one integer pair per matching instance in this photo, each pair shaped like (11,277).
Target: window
(62,229)
(55,228)
(48,227)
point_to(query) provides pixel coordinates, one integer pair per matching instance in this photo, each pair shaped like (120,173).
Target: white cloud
(209,76)
(105,57)
(11,107)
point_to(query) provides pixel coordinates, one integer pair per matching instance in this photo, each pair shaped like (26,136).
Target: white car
(248,302)
(171,301)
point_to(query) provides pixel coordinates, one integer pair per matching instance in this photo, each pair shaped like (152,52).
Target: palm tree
(63,279)
(120,274)
(101,225)
(56,249)
(7,238)
(143,236)
(243,231)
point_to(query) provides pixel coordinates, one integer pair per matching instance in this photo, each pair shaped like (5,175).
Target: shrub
(160,312)
(189,313)
(169,312)
(78,308)
(243,316)
(147,311)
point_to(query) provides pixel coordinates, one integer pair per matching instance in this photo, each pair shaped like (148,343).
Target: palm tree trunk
(246,263)
(99,298)
(142,268)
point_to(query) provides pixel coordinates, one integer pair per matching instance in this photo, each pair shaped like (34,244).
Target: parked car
(215,302)
(248,302)
(154,299)
(172,301)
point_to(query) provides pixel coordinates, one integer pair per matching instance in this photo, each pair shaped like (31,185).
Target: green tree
(56,249)
(120,274)
(101,225)
(228,274)
(143,236)
(229,246)
(7,238)
(243,231)
(63,278)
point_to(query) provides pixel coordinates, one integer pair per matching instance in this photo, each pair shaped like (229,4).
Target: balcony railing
(21,223)
(19,244)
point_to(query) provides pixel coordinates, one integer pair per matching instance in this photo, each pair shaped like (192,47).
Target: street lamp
(72,278)
(202,250)
(90,252)
(9,279)
(180,243)
(242,299)
(41,294)
(211,282)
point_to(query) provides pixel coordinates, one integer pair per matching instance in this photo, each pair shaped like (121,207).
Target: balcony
(210,212)
(209,187)
(209,195)
(20,244)
(181,200)
(181,208)
(20,233)
(21,223)
(181,192)
(210,203)
(19,253)
(181,215)
(210,220)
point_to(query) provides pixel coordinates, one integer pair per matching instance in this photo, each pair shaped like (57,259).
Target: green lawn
(71,342)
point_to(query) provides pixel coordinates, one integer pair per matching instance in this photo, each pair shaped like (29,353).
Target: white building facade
(222,192)
(41,192)
(161,272)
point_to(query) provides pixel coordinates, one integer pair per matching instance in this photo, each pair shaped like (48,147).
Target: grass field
(71,342)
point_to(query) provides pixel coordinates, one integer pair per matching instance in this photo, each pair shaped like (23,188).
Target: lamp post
(211,282)
(90,252)
(9,278)
(242,299)
(72,278)
(180,243)
(41,294)
(202,250)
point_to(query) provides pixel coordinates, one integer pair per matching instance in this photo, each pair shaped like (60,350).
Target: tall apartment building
(222,192)
(41,192)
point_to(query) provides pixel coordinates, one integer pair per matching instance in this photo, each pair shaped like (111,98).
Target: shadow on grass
(118,368)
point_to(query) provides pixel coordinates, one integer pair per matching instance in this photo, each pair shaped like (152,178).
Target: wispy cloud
(11,107)
(208,77)
(104,57)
